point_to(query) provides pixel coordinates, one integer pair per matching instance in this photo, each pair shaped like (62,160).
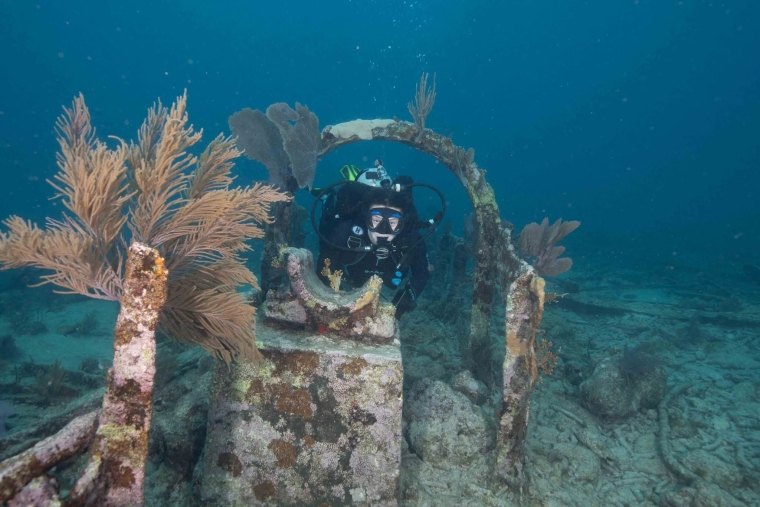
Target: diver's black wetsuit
(358,267)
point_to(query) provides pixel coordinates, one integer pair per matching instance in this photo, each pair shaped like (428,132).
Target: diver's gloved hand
(405,301)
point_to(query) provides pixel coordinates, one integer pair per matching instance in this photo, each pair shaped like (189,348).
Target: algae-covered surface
(699,443)
(639,119)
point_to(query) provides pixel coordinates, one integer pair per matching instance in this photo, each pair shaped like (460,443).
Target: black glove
(405,301)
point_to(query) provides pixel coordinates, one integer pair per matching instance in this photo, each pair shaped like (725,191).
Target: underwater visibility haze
(639,119)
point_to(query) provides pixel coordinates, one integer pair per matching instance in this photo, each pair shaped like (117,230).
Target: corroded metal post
(18,471)
(525,309)
(116,471)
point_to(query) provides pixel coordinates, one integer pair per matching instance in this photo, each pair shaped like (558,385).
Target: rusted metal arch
(495,264)
(461,163)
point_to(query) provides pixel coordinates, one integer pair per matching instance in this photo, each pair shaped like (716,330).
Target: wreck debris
(116,468)
(120,449)
(18,441)
(472,177)
(496,266)
(41,491)
(525,308)
(318,422)
(299,395)
(16,472)
(306,302)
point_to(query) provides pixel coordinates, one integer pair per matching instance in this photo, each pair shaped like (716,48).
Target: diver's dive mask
(385,220)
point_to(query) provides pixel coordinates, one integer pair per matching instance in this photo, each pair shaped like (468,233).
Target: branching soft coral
(155,191)
(538,242)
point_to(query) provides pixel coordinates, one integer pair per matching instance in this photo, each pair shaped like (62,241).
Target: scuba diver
(369,226)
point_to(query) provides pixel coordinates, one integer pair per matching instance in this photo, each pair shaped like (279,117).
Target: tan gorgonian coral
(423,102)
(334,277)
(157,192)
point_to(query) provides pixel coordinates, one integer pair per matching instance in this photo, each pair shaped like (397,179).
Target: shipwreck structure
(314,415)
(320,421)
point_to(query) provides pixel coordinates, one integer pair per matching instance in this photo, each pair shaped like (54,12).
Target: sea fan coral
(538,242)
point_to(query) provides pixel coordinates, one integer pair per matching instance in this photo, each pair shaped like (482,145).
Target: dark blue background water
(641,119)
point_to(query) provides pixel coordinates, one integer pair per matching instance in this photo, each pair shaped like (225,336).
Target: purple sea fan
(538,242)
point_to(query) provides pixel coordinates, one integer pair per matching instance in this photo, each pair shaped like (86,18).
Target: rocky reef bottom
(654,398)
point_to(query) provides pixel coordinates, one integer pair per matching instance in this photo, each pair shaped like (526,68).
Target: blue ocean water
(641,118)
(638,118)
